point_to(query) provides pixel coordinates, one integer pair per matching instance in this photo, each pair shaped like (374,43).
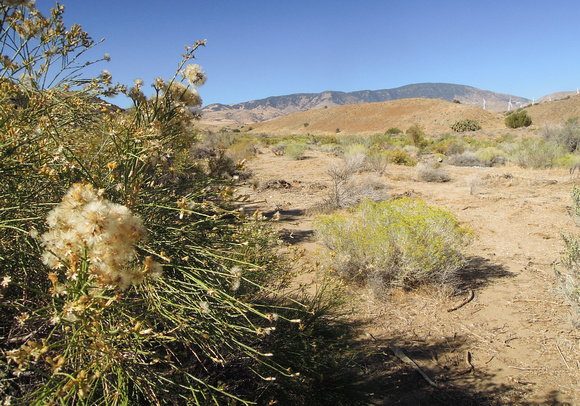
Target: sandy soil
(516,332)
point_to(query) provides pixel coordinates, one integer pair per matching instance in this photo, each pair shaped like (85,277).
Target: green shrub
(535,153)
(518,119)
(393,131)
(404,243)
(400,157)
(295,150)
(142,284)
(417,136)
(465,125)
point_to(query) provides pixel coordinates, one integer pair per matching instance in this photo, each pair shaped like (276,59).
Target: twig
(470,367)
(403,357)
(541,301)
(562,355)
(469,299)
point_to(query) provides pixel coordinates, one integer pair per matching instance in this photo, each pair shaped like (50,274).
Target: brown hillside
(433,115)
(555,112)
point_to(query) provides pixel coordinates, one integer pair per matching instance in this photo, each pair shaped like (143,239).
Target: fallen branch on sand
(469,299)
(403,357)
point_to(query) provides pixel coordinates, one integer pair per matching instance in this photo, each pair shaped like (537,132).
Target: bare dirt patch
(513,342)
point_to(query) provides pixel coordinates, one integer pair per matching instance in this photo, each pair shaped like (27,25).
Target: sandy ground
(516,332)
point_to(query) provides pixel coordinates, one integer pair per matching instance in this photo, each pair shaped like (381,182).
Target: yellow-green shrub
(402,242)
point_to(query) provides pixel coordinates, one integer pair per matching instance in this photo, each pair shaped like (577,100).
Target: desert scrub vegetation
(566,135)
(569,278)
(465,125)
(534,153)
(295,150)
(128,275)
(396,243)
(432,172)
(518,119)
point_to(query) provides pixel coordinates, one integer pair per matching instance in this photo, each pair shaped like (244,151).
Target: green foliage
(393,131)
(465,125)
(535,153)
(176,308)
(417,136)
(295,150)
(518,119)
(402,242)
(399,156)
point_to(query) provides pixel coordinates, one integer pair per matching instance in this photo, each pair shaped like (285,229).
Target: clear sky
(261,48)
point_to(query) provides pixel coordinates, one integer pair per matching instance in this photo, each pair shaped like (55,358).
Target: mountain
(277,106)
(434,116)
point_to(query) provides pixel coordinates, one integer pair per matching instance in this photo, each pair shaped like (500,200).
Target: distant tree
(456,101)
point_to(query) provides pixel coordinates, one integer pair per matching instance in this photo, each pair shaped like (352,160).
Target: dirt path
(516,332)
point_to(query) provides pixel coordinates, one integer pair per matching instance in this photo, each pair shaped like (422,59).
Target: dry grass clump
(466,158)
(432,172)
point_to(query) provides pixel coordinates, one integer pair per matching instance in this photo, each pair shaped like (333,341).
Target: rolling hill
(220,115)
(434,116)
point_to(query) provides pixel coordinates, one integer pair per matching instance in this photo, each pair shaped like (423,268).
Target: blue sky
(261,48)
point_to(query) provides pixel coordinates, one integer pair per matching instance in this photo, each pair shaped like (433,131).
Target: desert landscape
(507,336)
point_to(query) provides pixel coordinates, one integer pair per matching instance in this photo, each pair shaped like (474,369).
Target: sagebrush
(402,243)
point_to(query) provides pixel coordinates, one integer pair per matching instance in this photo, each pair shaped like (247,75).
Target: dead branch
(403,357)
(469,299)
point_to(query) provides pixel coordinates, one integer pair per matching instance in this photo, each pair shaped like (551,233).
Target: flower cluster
(90,234)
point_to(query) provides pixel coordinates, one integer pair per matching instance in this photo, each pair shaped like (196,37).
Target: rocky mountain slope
(217,115)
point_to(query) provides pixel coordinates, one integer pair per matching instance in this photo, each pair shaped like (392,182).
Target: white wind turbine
(484,104)
(510,104)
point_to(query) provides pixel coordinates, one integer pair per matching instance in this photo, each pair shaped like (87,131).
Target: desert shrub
(457,147)
(416,136)
(379,140)
(393,131)
(401,242)
(569,279)
(464,159)
(567,161)
(465,125)
(279,148)
(295,150)
(400,157)
(535,153)
(345,191)
(432,172)
(567,135)
(377,160)
(242,150)
(491,156)
(126,279)
(518,119)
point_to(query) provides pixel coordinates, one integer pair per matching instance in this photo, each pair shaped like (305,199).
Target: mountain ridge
(277,106)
